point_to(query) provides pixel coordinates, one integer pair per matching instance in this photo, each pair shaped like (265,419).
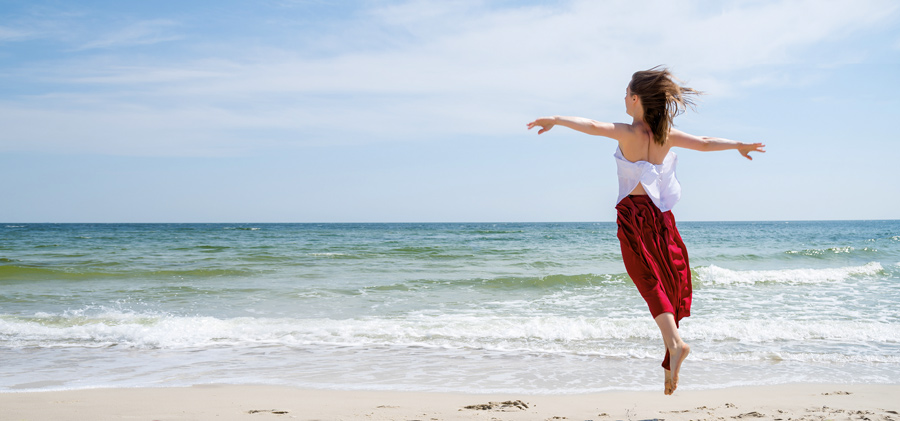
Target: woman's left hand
(746,148)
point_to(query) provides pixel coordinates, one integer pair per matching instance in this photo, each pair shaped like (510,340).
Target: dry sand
(271,403)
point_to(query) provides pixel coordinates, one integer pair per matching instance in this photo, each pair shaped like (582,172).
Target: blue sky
(415,111)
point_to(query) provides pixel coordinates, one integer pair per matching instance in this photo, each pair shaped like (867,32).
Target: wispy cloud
(40,22)
(10,34)
(137,33)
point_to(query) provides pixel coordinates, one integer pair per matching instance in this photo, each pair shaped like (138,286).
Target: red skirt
(655,258)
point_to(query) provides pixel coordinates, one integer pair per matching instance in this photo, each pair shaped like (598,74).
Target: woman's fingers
(753,147)
(544,127)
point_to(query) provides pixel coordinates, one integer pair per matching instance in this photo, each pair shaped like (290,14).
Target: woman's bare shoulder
(624,131)
(681,139)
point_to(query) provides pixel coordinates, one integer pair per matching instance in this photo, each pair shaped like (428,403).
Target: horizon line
(449,222)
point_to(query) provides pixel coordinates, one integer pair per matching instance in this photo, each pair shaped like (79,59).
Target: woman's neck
(638,121)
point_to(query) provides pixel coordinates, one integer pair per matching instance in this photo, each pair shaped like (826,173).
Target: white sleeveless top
(659,181)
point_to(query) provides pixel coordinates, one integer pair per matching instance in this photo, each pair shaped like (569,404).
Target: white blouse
(659,181)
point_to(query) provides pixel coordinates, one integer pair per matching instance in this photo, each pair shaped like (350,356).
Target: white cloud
(10,34)
(768,33)
(131,130)
(138,33)
(136,75)
(452,69)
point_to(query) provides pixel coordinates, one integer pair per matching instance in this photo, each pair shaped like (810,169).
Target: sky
(415,111)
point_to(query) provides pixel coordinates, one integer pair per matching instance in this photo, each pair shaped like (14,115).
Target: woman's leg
(678,350)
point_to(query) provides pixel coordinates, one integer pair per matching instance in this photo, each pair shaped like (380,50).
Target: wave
(424,251)
(490,231)
(621,337)
(809,357)
(714,275)
(539,264)
(204,248)
(406,253)
(334,255)
(18,273)
(831,251)
(557,280)
(507,282)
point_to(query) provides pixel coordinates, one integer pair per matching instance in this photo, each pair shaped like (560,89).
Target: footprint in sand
(753,414)
(267,411)
(500,406)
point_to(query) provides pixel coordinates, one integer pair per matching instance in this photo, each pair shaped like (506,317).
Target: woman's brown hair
(662,98)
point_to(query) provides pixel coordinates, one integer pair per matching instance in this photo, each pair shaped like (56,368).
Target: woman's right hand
(546,123)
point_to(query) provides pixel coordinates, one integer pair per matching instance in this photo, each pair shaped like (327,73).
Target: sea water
(464,307)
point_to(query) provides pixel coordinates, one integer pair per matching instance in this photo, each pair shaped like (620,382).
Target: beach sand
(234,402)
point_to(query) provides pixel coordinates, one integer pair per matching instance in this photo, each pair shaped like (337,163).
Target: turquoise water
(530,307)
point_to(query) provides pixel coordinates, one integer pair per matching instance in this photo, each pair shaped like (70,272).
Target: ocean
(541,308)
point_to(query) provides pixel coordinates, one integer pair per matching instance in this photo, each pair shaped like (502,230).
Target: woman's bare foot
(670,384)
(678,355)
(677,349)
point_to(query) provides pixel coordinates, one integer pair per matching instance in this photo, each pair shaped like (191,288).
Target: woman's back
(641,147)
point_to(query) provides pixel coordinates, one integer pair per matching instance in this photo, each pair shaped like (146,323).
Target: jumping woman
(654,255)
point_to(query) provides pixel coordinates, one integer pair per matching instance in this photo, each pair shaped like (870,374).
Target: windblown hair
(662,98)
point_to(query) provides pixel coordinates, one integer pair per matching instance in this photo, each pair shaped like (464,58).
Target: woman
(654,255)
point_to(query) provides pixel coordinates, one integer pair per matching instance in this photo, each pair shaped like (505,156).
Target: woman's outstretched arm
(709,144)
(616,131)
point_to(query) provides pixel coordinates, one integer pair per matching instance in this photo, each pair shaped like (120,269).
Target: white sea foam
(440,352)
(830,250)
(618,338)
(807,357)
(763,331)
(715,275)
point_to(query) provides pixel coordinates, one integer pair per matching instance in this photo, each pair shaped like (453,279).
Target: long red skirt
(655,258)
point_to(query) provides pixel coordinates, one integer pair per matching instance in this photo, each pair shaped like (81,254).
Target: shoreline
(262,402)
